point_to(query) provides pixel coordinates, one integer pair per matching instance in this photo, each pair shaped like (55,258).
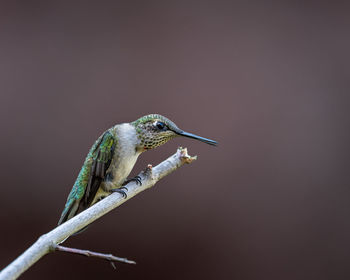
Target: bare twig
(45,243)
(87,253)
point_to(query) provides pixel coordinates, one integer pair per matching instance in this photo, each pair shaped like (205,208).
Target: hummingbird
(112,157)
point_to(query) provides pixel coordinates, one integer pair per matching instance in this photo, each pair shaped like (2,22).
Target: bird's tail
(69,211)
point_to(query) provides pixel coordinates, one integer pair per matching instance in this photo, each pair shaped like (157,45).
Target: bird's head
(155,130)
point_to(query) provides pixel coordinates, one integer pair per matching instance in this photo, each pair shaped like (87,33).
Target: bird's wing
(90,177)
(102,158)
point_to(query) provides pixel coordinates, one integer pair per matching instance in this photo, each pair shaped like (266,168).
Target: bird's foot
(120,190)
(136,179)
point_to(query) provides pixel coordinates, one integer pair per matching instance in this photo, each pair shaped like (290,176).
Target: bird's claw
(120,190)
(136,179)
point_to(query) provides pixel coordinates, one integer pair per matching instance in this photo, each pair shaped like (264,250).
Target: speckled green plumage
(146,131)
(100,152)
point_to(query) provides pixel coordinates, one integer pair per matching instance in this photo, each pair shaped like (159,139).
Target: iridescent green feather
(99,152)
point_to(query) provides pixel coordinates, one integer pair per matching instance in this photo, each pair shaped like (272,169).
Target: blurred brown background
(270,82)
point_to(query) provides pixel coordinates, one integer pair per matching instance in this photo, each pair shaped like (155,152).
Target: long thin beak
(193,136)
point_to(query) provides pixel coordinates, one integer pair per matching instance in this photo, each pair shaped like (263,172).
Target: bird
(112,157)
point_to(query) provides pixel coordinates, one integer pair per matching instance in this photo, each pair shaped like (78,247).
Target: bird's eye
(160,125)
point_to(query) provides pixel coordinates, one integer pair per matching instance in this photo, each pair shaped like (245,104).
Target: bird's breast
(121,170)
(124,159)
(125,155)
